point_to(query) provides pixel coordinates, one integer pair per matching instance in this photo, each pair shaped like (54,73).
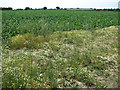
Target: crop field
(59,49)
(45,22)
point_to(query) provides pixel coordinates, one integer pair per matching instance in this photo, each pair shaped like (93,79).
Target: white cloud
(54,3)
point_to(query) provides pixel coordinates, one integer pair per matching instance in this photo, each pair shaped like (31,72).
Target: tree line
(26,8)
(58,8)
(6,8)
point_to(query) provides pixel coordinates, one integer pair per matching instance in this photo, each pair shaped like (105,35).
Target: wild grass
(68,59)
(27,40)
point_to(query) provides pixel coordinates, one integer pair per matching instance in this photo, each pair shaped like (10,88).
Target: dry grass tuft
(27,40)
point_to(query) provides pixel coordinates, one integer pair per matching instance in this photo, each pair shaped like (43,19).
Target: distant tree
(57,7)
(104,9)
(118,9)
(44,8)
(8,8)
(19,9)
(27,8)
(65,8)
(99,9)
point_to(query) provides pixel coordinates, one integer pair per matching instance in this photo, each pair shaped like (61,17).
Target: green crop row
(43,22)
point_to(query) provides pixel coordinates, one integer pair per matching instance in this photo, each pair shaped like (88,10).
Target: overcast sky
(61,3)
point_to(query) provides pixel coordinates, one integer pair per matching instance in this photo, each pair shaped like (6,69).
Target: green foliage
(47,21)
(63,59)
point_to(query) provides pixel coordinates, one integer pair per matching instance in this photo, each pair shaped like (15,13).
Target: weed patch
(26,40)
(66,59)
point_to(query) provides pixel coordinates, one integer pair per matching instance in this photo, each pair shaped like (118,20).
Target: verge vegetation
(63,59)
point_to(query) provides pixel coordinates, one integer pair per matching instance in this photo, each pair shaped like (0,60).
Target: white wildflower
(40,74)
(58,80)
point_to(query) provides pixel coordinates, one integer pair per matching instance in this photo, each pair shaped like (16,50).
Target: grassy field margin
(69,59)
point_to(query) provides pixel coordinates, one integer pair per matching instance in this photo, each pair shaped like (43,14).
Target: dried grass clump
(27,40)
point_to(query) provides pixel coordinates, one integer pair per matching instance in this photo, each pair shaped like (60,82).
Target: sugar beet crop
(48,21)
